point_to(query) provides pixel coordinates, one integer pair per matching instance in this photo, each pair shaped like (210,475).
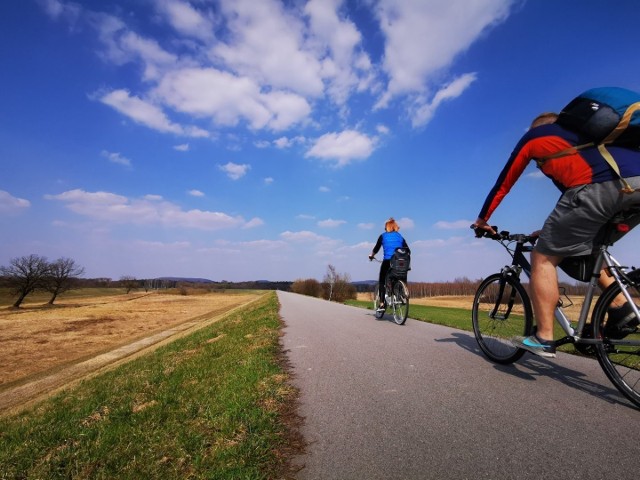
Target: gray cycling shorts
(575,225)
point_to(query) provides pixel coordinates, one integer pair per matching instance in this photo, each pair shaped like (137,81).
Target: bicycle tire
(620,359)
(400,299)
(501,310)
(379,313)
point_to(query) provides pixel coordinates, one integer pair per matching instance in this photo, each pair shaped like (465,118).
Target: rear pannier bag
(579,268)
(400,261)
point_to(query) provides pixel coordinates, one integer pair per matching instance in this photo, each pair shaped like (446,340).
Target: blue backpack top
(609,115)
(603,116)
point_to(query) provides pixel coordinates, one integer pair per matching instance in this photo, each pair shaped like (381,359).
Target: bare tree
(24,275)
(129,283)
(337,287)
(62,275)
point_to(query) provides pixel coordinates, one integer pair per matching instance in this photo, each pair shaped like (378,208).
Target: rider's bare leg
(544,292)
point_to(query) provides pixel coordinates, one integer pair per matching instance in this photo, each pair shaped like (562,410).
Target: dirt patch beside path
(44,349)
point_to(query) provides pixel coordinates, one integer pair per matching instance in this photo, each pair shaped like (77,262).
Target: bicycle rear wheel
(619,357)
(376,302)
(400,299)
(501,311)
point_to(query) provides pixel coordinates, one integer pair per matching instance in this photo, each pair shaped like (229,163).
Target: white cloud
(278,65)
(235,171)
(228,99)
(108,207)
(11,204)
(423,38)
(406,223)
(458,224)
(182,148)
(423,112)
(195,193)
(382,129)
(346,66)
(343,147)
(536,174)
(285,142)
(185,19)
(140,111)
(330,223)
(268,180)
(56,10)
(366,226)
(266,43)
(303,236)
(254,222)
(116,158)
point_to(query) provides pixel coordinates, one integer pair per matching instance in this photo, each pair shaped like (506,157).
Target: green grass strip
(210,405)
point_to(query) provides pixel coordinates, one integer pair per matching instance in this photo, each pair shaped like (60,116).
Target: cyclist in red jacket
(590,197)
(389,240)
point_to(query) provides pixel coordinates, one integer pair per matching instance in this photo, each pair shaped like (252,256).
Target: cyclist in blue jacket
(389,240)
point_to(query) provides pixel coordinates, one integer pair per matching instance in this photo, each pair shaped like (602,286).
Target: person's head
(544,119)
(391,225)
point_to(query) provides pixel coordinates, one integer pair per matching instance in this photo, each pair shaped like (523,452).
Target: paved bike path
(419,401)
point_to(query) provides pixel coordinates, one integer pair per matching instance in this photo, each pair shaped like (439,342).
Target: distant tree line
(465,287)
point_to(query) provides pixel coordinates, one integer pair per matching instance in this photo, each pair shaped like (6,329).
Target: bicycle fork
(506,271)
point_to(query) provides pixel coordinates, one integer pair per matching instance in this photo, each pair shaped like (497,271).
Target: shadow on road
(530,367)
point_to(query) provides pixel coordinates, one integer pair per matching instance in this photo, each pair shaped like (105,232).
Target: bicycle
(502,310)
(396,296)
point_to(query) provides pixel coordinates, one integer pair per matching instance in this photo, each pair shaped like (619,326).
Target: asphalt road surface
(420,401)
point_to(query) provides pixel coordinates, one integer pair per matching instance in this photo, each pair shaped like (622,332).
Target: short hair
(391,225)
(544,119)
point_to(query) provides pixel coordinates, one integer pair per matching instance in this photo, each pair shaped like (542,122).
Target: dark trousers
(384,268)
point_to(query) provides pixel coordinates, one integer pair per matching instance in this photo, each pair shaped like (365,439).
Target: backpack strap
(626,188)
(623,123)
(615,133)
(563,153)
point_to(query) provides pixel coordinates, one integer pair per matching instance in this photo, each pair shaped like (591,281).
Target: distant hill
(186,279)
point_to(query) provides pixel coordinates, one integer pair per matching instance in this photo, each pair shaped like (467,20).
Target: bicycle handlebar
(504,235)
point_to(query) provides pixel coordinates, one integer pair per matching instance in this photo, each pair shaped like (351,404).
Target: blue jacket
(389,241)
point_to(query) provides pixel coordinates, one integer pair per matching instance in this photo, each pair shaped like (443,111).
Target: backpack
(604,116)
(400,262)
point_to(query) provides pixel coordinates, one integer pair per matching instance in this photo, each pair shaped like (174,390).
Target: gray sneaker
(533,344)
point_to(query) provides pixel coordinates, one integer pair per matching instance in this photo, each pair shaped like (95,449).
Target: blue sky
(265,139)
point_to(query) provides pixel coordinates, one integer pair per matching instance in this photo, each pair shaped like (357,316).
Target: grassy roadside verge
(215,404)
(459,318)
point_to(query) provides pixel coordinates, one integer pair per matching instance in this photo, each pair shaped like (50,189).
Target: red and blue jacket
(580,168)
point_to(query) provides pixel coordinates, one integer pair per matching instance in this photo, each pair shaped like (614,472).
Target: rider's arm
(376,249)
(516,164)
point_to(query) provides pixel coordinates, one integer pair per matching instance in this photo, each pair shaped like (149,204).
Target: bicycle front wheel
(501,311)
(379,312)
(400,301)
(619,357)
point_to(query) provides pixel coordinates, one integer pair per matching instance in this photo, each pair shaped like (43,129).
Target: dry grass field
(450,301)
(38,339)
